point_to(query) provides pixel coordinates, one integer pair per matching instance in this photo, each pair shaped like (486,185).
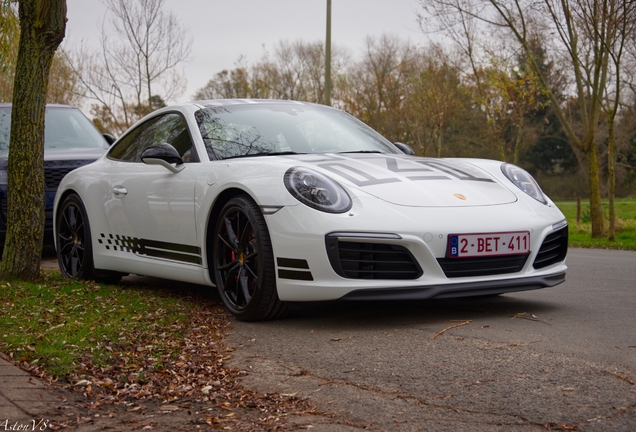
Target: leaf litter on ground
(128,345)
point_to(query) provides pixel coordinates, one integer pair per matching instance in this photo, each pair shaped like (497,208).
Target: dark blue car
(70,141)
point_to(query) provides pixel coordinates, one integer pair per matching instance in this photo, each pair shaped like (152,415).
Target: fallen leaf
(529,316)
(169,408)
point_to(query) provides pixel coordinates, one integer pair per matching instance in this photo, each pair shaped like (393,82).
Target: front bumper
(300,239)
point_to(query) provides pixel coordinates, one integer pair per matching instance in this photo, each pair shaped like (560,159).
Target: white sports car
(281,201)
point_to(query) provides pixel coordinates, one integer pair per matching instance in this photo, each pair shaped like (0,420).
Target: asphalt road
(559,358)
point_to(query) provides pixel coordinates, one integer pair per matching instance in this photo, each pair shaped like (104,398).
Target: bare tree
(434,96)
(295,71)
(141,47)
(581,35)
(63,83)
(42,28)
(62,88)
(508,94)
(620,16)
(376,85)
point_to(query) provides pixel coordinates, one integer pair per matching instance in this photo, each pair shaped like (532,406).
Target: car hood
(74,154)
(414,181)
(59,157)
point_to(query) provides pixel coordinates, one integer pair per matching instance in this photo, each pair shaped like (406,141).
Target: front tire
(243,262)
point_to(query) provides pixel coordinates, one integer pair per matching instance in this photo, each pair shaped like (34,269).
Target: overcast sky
(222,30)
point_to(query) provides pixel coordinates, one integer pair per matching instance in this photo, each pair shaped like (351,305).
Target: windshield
(280,128)
(65,128)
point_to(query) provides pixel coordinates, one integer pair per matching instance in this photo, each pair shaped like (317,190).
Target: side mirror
(404,148)
(109,138)
(165,155)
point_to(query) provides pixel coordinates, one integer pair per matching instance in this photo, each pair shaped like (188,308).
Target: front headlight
(524,181)
(317,190)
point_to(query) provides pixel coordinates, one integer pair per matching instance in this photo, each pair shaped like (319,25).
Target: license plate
(488,244)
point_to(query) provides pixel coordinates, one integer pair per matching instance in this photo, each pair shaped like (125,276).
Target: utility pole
(328,57)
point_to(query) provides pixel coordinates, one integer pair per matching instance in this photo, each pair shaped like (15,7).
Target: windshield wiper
(362,151)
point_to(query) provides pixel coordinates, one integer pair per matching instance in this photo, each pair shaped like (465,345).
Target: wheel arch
(213,215)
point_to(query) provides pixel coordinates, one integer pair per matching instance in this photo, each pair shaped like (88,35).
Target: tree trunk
(611,234)
(596,211)
(42,25)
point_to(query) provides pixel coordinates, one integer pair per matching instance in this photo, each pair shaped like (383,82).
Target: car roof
(227,102)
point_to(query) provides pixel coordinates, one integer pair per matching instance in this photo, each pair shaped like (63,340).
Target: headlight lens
(316,190)
(524,181)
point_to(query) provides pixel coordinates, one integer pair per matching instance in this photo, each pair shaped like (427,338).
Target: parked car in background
(70,141)
(283,201)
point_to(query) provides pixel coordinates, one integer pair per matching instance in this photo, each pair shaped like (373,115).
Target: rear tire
(74,247)
(74,243)
(243,262)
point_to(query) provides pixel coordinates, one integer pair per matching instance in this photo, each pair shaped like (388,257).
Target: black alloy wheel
(74,251)
(244,262)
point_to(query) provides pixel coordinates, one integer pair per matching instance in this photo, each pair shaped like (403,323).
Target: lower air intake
(362,260)
(482,266)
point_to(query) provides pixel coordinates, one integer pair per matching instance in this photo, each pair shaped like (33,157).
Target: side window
(168,128)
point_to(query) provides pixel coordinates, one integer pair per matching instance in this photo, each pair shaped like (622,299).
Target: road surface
(559,358)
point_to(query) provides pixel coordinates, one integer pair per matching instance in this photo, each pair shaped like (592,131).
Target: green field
(580,234)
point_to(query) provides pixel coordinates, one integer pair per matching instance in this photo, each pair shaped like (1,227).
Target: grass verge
(581,234)
(55,323)
(123,344)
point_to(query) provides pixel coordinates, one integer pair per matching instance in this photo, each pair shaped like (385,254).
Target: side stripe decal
(152,248)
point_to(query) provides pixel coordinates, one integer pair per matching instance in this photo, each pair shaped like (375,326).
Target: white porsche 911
(281,201)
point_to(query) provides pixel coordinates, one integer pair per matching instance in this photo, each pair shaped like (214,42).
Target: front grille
(553,249)
(482,266)
(53,177)
(3,210)
(54,171)
(361,260)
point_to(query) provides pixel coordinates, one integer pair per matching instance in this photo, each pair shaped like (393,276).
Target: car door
(151,210)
